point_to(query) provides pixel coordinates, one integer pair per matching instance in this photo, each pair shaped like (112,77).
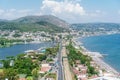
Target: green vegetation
(84,59)
(52,75)
(17,35)
(23,64)
(31,27)
(30,78)
(6,42)
(52,51)
(1,74)
(9,42)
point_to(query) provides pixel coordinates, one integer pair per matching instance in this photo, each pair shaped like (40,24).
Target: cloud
(1,11)
(24,11)
(64,9)
(63,6)
(69,10)
(96,13)
(14,13)
(119,12)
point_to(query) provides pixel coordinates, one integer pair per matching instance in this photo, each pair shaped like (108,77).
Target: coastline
(84,36)
(19,43)
(97,58)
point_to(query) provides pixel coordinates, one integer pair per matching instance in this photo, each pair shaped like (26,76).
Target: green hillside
(34,23)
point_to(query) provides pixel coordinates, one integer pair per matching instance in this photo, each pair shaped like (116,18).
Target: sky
(72,11)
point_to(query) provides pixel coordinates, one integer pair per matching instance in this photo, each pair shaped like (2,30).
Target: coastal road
(59,61)
(59,64)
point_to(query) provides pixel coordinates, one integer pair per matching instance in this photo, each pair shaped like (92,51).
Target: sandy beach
(104,65)
(97,58)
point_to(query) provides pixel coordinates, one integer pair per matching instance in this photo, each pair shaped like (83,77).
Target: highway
(59,61)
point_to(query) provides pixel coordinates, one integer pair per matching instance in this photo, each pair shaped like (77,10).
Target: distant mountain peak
(47,23)
(47,18)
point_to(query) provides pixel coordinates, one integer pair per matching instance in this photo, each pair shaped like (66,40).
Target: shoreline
(21,43)
(97,58)
(84,36)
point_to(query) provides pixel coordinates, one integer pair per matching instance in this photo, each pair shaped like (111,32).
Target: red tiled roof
(45,69)
(75,71)
(22,79)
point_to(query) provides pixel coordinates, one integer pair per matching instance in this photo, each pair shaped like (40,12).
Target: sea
(21,48)
(105,44)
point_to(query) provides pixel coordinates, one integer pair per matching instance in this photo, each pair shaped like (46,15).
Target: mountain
(45,23)
(2,20)
(45,18)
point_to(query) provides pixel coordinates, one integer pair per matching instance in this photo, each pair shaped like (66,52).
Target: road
(59,64)
(59,61)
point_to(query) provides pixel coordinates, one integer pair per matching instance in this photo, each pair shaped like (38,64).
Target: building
(105,78)
(45,68)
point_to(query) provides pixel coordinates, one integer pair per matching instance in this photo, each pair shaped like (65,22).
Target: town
(66,60)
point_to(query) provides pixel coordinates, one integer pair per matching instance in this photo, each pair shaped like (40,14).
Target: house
(77,62)
(22,76)
(80,71)
(11,63)
(45,68)
(49,79)
(75,71)
(41,50)
(82,76)
(92,63)
(6,79)
(1,65)
(83,69)
(22,79)
(93,77)
(30,52)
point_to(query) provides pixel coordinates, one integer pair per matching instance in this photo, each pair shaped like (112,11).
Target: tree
(91,70)
(6,63)
(10,58)
(16,35)
(42,57)
(10,73)
(35,72)
(29,78)
(2,41)
(2,74)
(24,66)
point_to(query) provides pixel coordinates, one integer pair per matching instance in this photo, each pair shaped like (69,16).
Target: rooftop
(105,78)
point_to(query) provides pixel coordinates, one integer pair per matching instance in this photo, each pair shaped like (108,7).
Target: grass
(29,78)
(52,75)
(1,70)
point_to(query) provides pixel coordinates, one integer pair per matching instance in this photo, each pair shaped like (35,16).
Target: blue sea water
(105,44)
(21,48)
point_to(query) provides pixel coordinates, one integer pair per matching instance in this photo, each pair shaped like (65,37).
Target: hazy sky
(73,11)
